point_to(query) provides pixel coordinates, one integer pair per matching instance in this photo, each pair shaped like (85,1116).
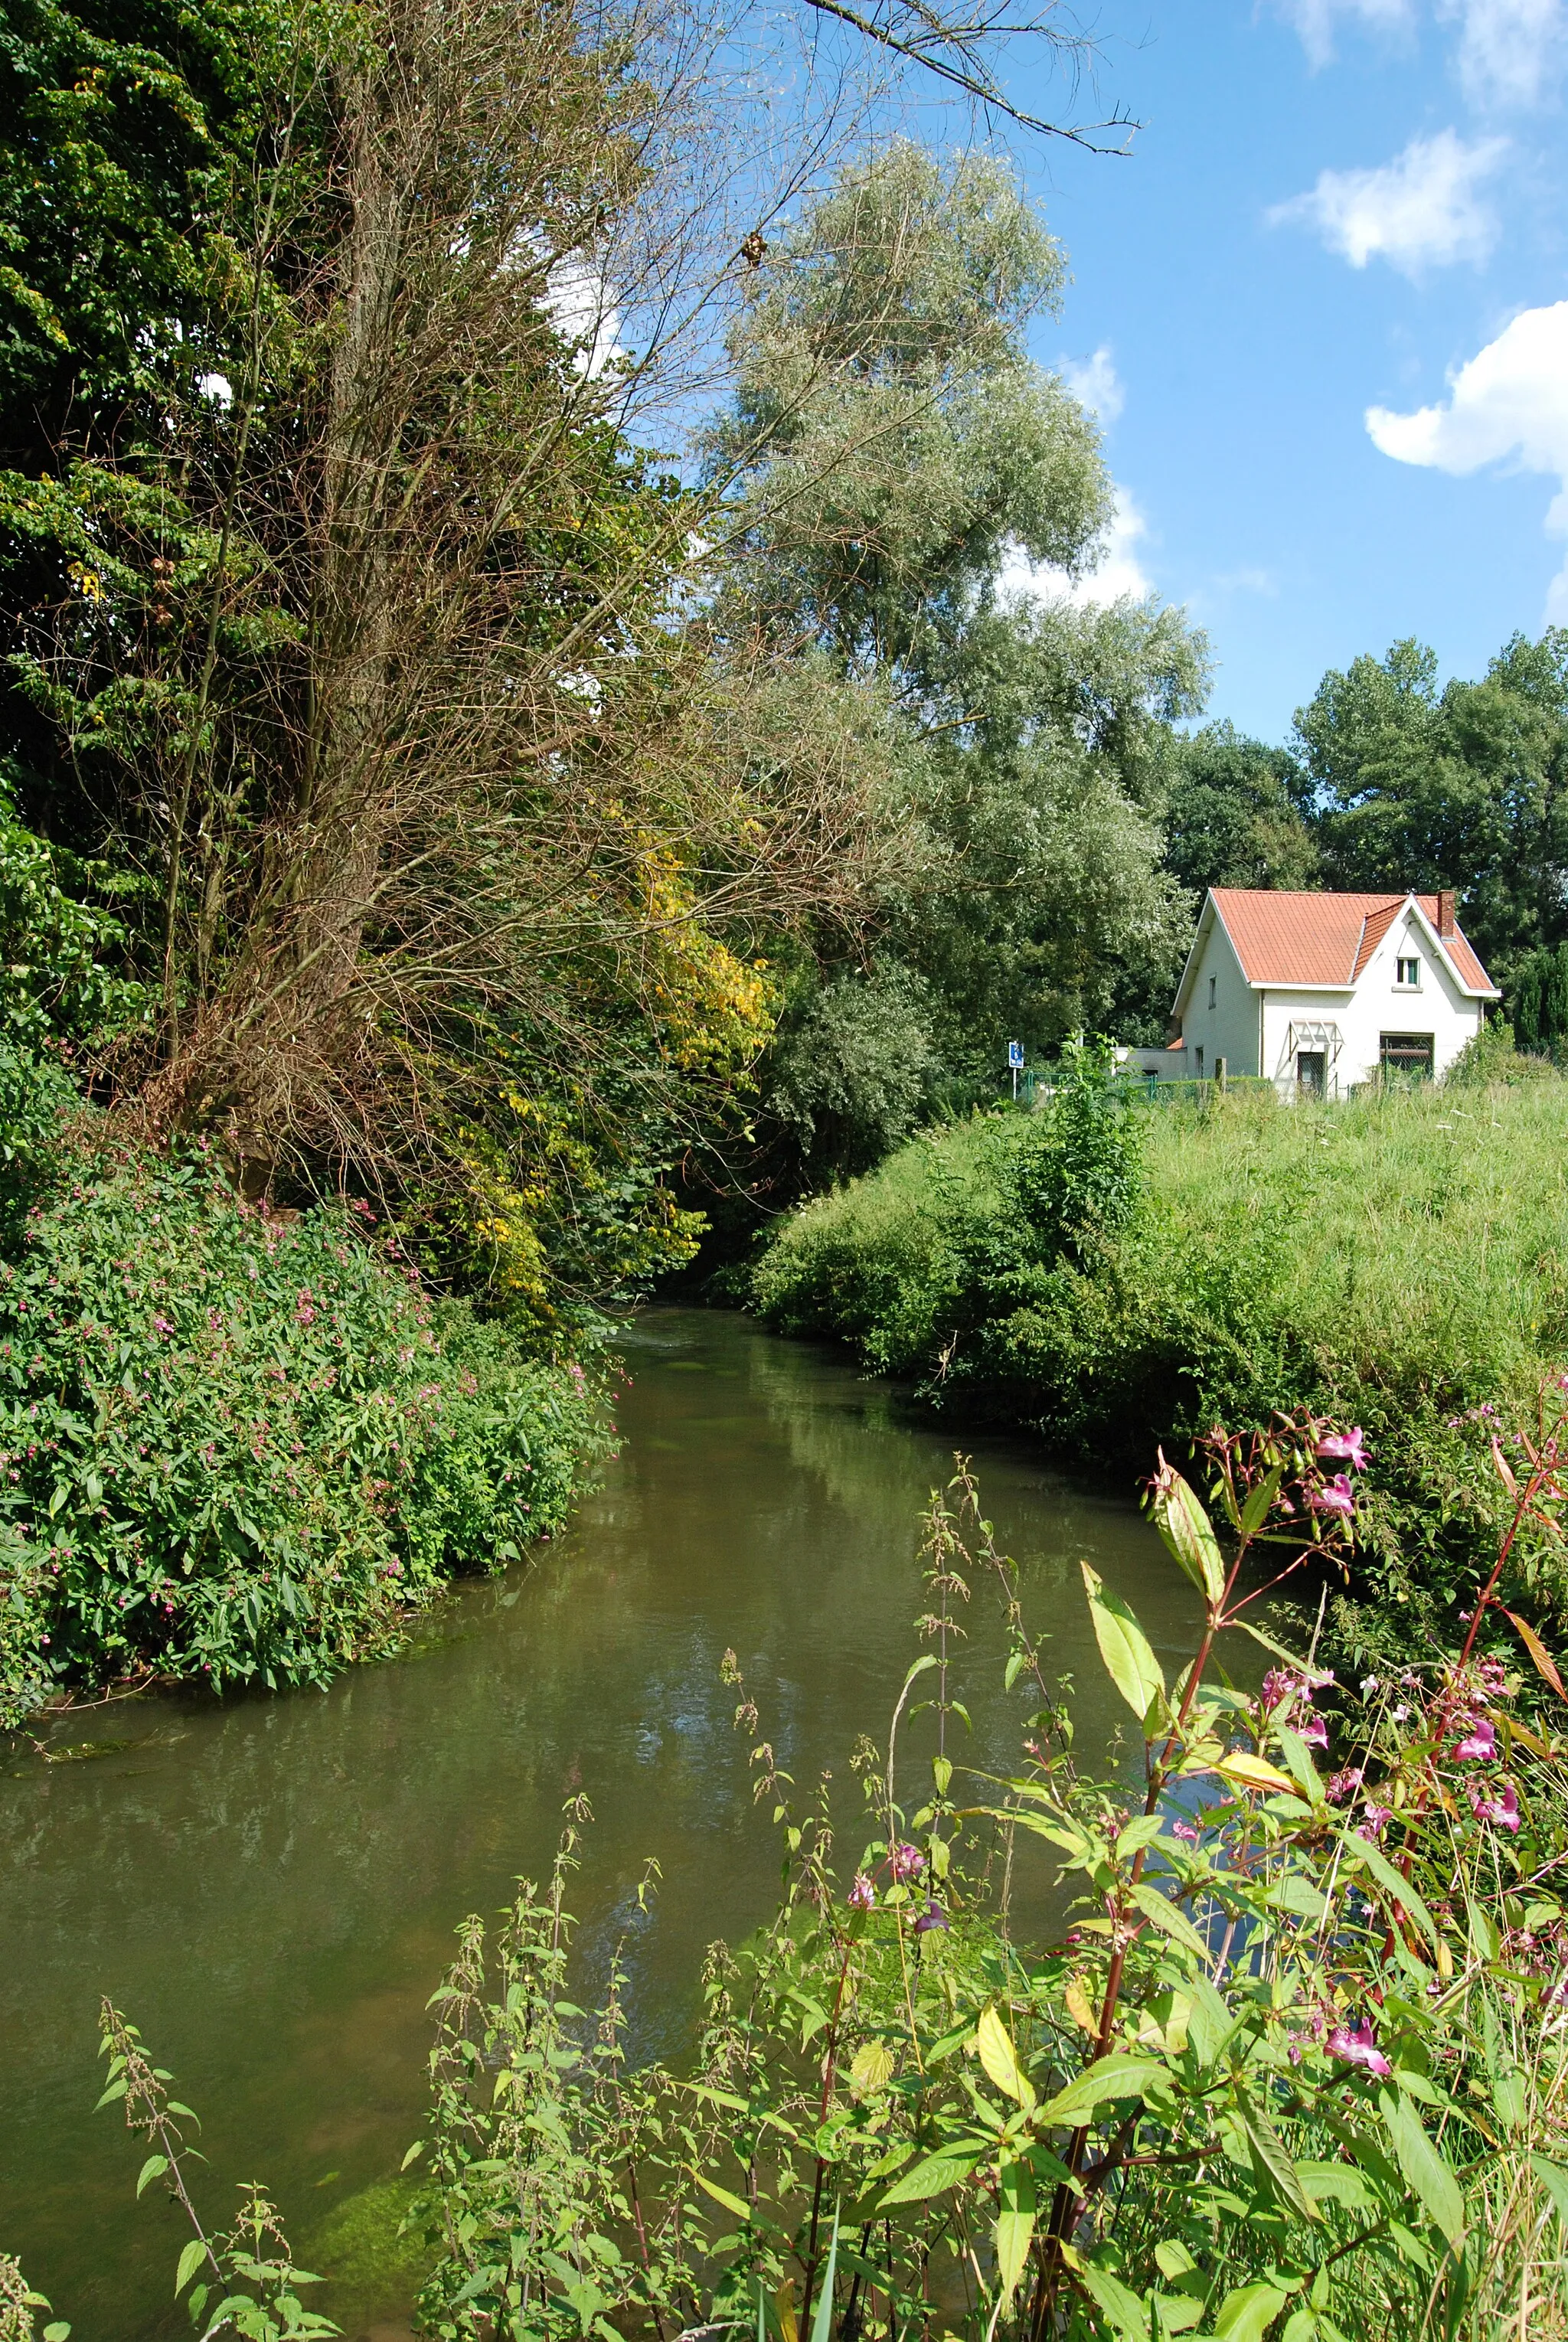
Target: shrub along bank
(1110,1276)
(239,1447)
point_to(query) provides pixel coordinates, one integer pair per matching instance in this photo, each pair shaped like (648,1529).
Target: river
(269,1889)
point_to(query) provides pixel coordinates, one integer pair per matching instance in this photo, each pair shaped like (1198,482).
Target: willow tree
(898,455)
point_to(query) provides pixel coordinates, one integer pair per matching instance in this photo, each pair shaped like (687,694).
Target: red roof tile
(1324,940)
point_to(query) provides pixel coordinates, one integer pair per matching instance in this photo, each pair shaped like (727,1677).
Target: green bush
(1401,1261)
(239,1447)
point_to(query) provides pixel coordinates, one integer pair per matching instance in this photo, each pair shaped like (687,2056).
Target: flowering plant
(1296,2066)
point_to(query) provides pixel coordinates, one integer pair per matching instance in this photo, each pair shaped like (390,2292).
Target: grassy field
(1400,1261)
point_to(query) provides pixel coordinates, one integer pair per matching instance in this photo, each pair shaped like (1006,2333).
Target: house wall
(1377,1005)
(1230,1028)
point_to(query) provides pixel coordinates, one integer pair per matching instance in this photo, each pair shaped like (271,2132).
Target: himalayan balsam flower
(933,1917)
(1344,1447)
(1185,1829)
(905,1862)
(1337,1496)
(862,1894)
(1357,2046)
(1314,1731)
(1479,1745)
(1344,1785)
(1374,1821)
(1502,1809)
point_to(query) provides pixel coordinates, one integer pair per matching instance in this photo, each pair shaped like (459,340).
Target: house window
(1311,1072)
(1407,972)
(1405,1053)
(1213,985)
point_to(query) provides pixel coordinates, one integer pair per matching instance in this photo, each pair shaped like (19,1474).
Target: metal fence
(1155,1089)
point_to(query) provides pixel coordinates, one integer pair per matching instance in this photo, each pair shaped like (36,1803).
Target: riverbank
(1400,1262)
(237,1447)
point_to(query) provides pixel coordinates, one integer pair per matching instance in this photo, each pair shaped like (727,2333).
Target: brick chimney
(1445,912)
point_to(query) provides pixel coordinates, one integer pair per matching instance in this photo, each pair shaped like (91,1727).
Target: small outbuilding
(1318,992)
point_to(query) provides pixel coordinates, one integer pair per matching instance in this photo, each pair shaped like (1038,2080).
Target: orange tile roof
(1324,940)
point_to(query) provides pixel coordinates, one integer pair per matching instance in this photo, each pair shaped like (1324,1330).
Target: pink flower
(1374,1821)
(1185,1829)
(1479,1745)
(1344,1785)
(1502,1809)
(1357,2046)
(1344,1447)
(905,1862)
(932,1917)
(1337,1496)
(1314,1732)
(862,1894)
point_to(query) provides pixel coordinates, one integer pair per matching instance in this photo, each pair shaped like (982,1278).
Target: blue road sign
(1015,1056)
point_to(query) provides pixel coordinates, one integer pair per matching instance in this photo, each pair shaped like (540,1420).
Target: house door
(1409,1053)
(1311,1072)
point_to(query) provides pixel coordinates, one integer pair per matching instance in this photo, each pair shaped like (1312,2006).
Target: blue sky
(1323,307)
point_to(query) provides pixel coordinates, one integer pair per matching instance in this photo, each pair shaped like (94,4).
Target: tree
(907,449)
(1231,812)
(1464,787)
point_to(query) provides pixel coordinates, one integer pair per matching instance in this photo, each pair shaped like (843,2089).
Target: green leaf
(822,2320)
(1167,1916)
(1271,2158)
(1107,2077)
(1129,1661)
(736,2203)
(1297,1665)
(1015,2225)
(1426,2174)
(58,2332)
(1125,2310)
(154,2168)
(997,2055)
(1361,1849)
(1554,2179)
(1298,1757)
(1246,2314)
(1255,1511)
(1188,1537)
(191,2260)
(931,2176)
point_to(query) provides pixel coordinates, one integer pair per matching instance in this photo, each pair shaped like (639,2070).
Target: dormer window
(1407,974)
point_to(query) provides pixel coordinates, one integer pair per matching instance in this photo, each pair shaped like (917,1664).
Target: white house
(1320,992)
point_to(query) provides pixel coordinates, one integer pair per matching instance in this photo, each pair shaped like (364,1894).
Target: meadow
(1398,1261)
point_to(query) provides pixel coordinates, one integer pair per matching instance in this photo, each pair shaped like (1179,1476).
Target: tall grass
(1399,1260)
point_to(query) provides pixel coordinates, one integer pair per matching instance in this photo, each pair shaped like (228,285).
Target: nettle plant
(1296,2070)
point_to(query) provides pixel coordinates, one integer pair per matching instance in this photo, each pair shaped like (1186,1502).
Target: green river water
(269,1889)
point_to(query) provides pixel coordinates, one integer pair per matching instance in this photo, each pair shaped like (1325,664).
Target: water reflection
(270,1889)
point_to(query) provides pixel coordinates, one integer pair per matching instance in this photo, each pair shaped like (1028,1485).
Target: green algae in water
(374,2265)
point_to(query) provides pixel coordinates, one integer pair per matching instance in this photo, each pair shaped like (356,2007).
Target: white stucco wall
(1230,1028)
(1378,1004)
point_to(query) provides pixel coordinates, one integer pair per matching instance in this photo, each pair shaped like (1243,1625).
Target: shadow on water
(270,1887)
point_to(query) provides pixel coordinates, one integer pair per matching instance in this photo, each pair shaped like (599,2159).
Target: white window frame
(1402,983)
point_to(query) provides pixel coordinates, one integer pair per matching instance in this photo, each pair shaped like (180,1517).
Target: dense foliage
(1396,1260)
(1295,2071)
(241,1448)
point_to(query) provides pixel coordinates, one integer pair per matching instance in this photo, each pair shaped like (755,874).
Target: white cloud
(1094,382)
(1314,21)
(581,309)
(1422,208)
(1509,402)
(1117,574)
(1509,49)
